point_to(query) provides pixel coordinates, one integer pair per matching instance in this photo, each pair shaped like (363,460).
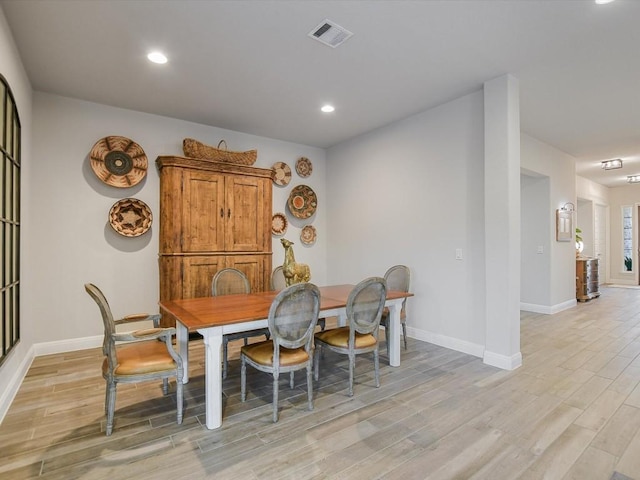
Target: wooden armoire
(212,215)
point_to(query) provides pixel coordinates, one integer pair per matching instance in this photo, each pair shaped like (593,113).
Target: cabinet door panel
(246,197)
(203,211)
(252,266)
(198,273)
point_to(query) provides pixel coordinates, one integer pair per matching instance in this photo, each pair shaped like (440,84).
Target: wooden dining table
(214,317)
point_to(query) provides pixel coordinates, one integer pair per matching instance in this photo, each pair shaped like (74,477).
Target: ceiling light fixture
(612,164)
(633,178)
(157,57)
(603,2)
(327,108)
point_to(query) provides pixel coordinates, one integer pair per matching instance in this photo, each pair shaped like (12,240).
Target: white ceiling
(250,66)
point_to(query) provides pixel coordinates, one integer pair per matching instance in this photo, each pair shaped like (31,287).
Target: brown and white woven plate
(279,224)
(308,235)
(302,201)
(282,173)
(130,217)
(118,161)
(304,167)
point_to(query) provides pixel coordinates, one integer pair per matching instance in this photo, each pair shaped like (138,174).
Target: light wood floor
(572,411)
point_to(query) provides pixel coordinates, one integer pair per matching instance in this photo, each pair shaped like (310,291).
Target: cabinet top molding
(209,165)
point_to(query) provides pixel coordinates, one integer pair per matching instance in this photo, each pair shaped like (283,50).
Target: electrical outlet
(458,254)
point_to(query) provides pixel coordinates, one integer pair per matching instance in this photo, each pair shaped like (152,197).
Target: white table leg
(213,376)
(182,338)
(394,333)
(342,318)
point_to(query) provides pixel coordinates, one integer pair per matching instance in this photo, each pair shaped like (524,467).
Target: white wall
(11,68)
(72,242)
(559,167)
(535,294)
(412,193)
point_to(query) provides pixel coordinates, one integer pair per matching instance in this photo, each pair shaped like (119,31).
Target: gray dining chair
(137,356)
(278,282)
(230,281)
(397,277)
(292,321)
(363,310)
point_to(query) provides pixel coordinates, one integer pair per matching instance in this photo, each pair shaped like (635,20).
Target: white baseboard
(37,350)
(71,345)
(548,310)
(448,342)
(502,361)
(13,385)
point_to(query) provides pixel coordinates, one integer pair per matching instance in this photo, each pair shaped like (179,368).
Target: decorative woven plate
(283,173)
(279,224)
(308,235)
(118,161)
(302,201)
(304,167)
(130,217)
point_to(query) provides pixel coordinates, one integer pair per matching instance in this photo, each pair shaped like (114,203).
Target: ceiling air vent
(330,33)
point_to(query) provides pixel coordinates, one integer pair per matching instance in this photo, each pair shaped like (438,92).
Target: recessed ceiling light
(327,108)
(633,178)
(157,57)
(602,2)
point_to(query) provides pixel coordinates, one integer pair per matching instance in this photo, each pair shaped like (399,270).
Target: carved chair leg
(404,334)
(376,366)
(275,396)
(111,406)
(225,361)
(316,362)
(352,366)
(179,397)
(243,379)
(310,385)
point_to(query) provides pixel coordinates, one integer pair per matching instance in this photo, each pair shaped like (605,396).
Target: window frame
(10,194)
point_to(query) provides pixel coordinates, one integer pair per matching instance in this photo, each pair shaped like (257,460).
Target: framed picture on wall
(564,225)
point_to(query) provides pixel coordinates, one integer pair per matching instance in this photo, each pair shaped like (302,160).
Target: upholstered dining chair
(364,309)
(230,281)
(278,282)
(292,320)
(140,359)
(397,277)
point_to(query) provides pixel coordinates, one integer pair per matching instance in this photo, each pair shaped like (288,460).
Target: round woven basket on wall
(118,161)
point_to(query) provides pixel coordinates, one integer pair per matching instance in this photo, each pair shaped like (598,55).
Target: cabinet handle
(221,213)
(229,213)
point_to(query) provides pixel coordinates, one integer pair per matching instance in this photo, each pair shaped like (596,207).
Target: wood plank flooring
(572,411)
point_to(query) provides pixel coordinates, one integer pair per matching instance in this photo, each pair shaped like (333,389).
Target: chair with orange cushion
(292,320)
(141,359)
(364,309)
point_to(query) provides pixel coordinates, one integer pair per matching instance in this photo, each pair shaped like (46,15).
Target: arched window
(10,147)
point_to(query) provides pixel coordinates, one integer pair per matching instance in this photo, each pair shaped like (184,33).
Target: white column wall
(502,221)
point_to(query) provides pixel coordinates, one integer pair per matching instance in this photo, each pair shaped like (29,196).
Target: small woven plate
(304,167)
(118,161)
(282,173)
(279,224)
(130,217)
(308,235)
